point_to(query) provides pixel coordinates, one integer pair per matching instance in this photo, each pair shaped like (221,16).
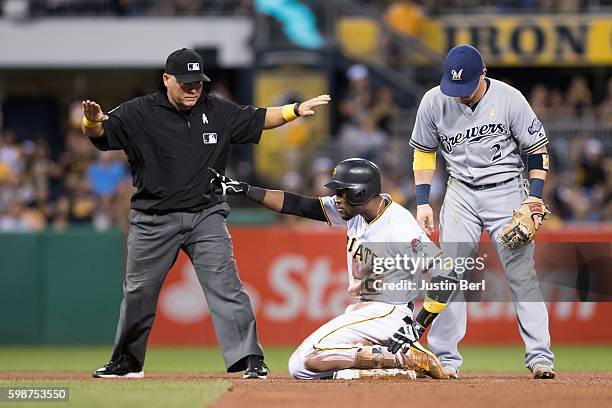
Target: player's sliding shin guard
(368,357)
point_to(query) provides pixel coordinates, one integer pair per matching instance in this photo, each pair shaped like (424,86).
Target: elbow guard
(423,160)
(537,161)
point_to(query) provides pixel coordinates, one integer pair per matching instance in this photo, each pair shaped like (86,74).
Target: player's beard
(348,213)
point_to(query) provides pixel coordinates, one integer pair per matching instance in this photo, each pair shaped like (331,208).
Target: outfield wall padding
(60,287)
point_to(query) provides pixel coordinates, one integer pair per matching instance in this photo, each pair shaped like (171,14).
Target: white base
(352,374)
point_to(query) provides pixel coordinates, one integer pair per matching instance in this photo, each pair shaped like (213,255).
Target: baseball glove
(521,229)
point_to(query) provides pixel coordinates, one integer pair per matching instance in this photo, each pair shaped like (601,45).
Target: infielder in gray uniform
(481,126)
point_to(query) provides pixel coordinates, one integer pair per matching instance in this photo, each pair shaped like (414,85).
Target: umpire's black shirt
(170,150)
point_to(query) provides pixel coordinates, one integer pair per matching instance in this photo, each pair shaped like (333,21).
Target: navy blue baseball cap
(462,68)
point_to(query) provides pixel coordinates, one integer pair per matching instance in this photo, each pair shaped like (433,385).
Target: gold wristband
(288,112)
(90,123)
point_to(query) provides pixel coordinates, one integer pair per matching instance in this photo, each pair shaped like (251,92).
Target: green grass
(85,359)
(511,358)
(138,393)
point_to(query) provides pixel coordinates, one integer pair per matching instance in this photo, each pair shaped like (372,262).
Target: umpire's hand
(220,184)
(93,112)
(307,108)
(404,336)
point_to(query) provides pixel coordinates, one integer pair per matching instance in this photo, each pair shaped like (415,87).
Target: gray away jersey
(481,146)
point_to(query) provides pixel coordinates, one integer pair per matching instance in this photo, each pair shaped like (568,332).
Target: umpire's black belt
(486,186)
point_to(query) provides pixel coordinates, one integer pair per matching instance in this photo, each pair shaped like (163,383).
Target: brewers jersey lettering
(481,146)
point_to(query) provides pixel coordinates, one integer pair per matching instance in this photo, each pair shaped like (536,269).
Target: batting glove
(220,184)
(403,337)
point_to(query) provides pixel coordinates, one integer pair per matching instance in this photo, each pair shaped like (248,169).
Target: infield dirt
(473,390)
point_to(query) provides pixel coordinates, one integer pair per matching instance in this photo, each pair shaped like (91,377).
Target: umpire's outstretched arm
(280,201)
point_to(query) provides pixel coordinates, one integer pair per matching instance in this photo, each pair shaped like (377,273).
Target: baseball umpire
(170,138)
(481,126)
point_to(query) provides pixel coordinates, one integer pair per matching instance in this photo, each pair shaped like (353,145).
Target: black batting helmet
(359,177)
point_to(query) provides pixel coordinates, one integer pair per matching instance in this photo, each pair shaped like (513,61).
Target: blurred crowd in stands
(43,186)
(82,186)
(578,100)
(126,8)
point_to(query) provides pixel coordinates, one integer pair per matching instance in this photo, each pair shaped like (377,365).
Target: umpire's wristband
(422,193)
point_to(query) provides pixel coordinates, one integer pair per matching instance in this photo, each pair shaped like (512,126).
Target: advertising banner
(523,40)
(297,280)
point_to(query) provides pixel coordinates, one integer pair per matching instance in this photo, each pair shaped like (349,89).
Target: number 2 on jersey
(496,149)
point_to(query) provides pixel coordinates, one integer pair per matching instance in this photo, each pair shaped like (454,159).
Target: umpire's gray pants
(153,245)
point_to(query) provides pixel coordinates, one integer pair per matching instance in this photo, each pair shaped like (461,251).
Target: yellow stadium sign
(520,40)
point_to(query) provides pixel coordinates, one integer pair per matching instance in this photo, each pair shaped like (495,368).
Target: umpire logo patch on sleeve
(209,138)
(535,127)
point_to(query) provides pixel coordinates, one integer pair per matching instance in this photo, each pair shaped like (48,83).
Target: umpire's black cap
(186,65)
